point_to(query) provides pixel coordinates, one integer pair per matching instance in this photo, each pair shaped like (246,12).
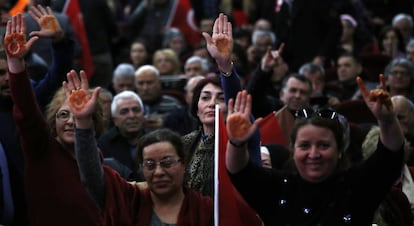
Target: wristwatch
(228,74)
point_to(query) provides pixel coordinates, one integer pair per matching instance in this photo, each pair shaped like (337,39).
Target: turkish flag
(270,131)
(72,10)
(230,209)
(183,18)
(276,127)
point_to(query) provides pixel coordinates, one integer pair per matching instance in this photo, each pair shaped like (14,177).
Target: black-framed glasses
(164,163)
(323,113)
(63,115)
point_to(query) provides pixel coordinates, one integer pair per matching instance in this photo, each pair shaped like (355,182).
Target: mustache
(4,87)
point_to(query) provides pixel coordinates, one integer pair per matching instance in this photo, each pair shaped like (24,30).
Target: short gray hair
(311,68)
(402,62)
(127,94)
(204,63)
(123,70)
(261,33)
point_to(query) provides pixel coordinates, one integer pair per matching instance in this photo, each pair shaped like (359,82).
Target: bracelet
(228,74)
(237,145)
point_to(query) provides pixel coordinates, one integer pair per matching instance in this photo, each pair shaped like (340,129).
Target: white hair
(402,16)
(147,67)
(127,94)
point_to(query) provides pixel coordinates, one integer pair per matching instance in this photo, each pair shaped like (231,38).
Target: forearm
(62,62)
(231,85)
(391,133)
(16,65)
(89,164)
(236,158)
(257,82)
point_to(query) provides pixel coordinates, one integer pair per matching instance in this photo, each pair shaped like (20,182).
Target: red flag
(276,127)
(270,131)
(72,10)
(182,17)
(230,209)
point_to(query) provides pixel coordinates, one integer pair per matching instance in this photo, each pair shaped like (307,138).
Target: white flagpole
(216,164)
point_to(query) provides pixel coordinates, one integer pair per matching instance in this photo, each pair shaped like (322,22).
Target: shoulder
(111,133)
(169,99)
(190,136)
(202,200)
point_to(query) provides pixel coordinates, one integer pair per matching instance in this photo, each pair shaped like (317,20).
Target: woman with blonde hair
(167,62)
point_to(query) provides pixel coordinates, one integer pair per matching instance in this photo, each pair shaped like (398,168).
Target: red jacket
(126,204)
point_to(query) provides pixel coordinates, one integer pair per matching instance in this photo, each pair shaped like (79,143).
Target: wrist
(226,71)
(265,68)
(58,37)
(236,144)
(84,123)
(386,121)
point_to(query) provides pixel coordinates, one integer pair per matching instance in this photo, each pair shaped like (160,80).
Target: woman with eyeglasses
(166,201)
(399,75)
(54,192)
(319,191)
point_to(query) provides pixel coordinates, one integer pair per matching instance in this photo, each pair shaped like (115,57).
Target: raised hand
(220,44)
(271,57)
(377,100)
(15,38)
(82,105)
(239,127)
(49,25)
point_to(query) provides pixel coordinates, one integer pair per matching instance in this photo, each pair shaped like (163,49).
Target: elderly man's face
(192,69)
(405,115)
(124,83)
(148,86)
(129,116)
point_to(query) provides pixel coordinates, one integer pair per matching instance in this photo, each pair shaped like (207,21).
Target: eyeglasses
(323,113)
(165,163)
(402,73)
(63,115)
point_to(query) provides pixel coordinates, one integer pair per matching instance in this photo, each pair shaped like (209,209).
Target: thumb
(34,33)
(207,37)
(95,94)
(31,41)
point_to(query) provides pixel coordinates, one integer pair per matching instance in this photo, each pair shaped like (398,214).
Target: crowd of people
(133,142)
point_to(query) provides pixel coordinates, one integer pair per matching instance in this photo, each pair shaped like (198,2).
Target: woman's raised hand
(377,100)
(81,103)
(15,38)
(239,127)
(49,25)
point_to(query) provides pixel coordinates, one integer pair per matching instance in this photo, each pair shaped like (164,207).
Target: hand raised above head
(271,57)
(377,100)
(15,38)
(239,127)
(81,103)
(220,43)
(49,25)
